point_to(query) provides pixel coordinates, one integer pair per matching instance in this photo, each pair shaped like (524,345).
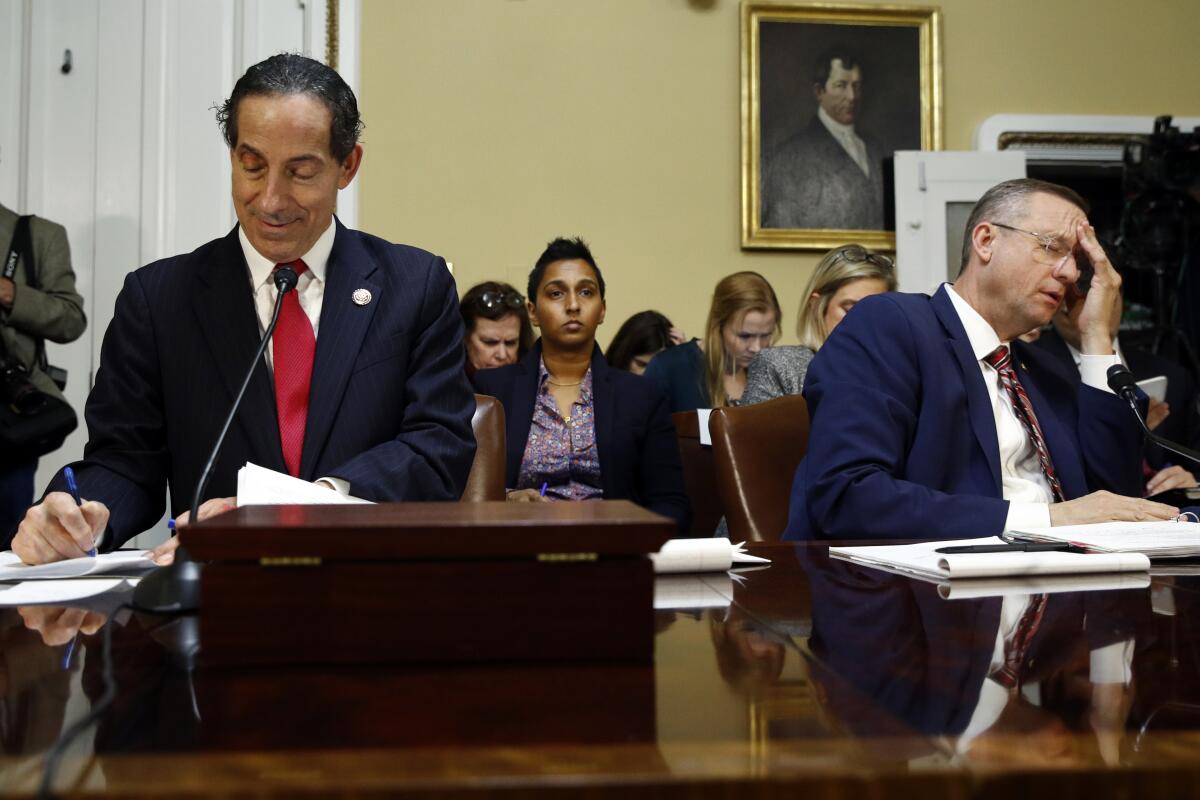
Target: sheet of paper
(702,415)
(1167,539)
(924,560)
(50,592)
(701,555)
(969,588)
(692,591)
(125,561)
(259,486)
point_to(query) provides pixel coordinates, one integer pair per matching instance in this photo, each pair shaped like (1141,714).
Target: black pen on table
(69,474)
(1014,547)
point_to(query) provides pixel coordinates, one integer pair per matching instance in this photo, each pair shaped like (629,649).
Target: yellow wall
(494,125)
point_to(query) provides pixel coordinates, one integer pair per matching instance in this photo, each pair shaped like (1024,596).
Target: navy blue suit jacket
(903,442)
(638,448)
(389,409)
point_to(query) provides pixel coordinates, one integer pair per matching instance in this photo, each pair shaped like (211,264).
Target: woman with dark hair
(576,428)
(639,338)
(497,325)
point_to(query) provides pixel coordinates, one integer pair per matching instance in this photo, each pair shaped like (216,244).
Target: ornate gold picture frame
(828,92)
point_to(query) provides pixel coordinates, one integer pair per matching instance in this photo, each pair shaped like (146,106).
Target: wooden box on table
(427,582)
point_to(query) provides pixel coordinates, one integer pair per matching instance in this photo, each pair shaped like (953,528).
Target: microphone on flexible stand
(1121,381)
(176,588)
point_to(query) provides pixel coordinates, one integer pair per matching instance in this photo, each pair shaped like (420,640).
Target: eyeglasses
(857,254)
(1051,248)
(490,301)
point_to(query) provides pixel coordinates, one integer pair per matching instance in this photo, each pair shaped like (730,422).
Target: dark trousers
(16,495)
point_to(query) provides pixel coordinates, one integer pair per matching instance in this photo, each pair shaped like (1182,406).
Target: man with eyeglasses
(931,419)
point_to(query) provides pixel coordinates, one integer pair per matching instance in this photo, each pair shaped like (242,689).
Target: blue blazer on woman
(638,449)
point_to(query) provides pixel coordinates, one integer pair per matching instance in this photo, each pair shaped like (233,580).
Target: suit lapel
(602,418)
(520,417)
(224,311)
(979,403)
(343,326)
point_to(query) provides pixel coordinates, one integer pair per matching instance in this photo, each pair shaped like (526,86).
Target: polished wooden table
(809,678)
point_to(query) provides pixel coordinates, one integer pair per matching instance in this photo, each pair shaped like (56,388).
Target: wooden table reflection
(788,688)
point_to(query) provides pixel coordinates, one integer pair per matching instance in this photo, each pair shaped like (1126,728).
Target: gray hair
(1006,201)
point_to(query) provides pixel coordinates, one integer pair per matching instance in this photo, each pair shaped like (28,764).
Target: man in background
(1176,418)
(362,388)
(829,174)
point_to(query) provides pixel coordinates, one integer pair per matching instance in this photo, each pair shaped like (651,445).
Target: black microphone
(285,280)
(176,589)
(1121,381)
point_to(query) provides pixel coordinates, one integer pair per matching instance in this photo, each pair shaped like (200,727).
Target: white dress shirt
(310,291)
(1025,486)
(1023,483)
(848,139)
(310,288)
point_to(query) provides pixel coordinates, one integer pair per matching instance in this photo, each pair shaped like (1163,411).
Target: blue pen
(69,474)
(544,485)
(66,664)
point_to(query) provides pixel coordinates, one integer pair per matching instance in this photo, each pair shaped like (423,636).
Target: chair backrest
(486,481)
(699,475)
(756,449)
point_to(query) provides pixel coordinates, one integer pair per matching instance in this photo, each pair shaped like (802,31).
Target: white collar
(316,259)
(982,336)
(836,128)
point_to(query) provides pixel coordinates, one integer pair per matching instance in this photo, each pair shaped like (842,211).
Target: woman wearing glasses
(842,278)
(497,325)
(576,428)
(742,320)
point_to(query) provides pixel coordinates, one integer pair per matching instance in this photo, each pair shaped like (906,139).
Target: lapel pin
(361,297)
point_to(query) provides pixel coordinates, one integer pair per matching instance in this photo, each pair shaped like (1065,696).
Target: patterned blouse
(562,452)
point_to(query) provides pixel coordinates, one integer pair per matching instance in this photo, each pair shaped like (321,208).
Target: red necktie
(293,345)
(1001,360)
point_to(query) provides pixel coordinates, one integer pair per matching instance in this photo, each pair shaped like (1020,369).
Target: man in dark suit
(829,175)
(1177,418)
(929,420)
(362,388)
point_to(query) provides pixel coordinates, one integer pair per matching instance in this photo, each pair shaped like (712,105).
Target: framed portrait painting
(829,93)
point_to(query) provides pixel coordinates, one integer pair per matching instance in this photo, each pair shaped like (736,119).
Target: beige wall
(494,125)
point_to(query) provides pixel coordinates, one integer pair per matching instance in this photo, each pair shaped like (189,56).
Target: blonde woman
(742,321)
(844,276)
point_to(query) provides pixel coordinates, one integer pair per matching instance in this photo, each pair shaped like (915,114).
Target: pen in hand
(69,474)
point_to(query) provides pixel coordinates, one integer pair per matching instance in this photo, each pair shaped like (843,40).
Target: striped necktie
(1000,359)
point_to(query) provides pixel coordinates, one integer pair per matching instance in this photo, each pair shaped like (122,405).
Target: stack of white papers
(924,561)
(259,486)
(702,555)
(1167,539)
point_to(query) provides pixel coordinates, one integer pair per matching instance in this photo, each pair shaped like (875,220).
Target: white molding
(987,135)
(349,67)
